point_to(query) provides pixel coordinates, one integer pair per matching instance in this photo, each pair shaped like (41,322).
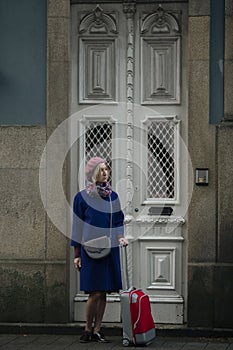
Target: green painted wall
(23,62)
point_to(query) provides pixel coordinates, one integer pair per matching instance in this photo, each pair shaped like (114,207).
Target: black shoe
(99,337)
(85,337)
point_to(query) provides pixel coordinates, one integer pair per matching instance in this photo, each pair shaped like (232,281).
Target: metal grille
(98,141)
(161,160)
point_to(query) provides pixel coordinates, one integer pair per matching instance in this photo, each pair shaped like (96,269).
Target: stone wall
(224,267)
(210,214)
(33,253)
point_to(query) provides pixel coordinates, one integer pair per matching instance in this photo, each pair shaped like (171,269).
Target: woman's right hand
(123,241)
(78,263)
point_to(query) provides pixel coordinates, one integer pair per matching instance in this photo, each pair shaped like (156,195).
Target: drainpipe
(217,49)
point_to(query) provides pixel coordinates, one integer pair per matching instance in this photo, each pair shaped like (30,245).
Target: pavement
(71,342)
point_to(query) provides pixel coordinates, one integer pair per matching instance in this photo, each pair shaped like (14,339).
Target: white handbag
(100,247)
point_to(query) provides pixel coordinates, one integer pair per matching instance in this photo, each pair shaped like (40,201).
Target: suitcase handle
(124,247)
(126,267)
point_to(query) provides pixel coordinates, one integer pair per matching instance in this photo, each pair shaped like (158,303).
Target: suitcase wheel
(125,342)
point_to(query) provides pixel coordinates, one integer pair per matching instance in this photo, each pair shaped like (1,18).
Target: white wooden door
(129,100)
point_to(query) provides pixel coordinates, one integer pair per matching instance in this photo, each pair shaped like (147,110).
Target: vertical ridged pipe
(129,8)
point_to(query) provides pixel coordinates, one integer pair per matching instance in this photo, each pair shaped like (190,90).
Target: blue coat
(92,219)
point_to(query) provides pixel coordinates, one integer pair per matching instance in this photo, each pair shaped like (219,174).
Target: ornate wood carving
(129,10)
(160,22)
(97,57)
(147,219)
(161,272)
(160,57)
(97,70)
(98,22)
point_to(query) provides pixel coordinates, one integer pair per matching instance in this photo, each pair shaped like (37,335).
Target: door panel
(130,101)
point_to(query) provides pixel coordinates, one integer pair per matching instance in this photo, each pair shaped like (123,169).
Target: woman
(93,209)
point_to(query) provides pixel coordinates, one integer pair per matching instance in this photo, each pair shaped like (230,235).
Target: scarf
(98,189)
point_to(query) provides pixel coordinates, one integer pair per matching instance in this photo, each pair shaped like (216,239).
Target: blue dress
(91,219)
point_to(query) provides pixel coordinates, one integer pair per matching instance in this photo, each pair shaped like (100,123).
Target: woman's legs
(95,308)
(100,308)
(90,312)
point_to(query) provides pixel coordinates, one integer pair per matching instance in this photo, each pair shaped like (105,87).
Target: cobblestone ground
(71,342)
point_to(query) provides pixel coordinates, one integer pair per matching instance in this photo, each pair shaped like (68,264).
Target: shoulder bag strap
(110,217)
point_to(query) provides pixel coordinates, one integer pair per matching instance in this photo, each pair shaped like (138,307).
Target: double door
(129,106)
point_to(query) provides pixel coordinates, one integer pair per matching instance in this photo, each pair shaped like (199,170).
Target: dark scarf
(98,189)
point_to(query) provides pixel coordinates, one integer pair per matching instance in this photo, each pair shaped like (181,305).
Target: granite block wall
(210,221)
(33,253)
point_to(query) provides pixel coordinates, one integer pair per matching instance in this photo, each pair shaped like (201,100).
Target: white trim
(162,238)
(87,118)
(114,297)
(160,219)
(153,299)
(177,299)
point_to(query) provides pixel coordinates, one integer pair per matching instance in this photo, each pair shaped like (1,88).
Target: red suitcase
(137,320)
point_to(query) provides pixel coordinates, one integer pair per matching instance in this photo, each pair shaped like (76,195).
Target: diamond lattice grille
(98,141)
(161,172)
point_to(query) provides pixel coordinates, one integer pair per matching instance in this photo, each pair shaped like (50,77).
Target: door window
(162,139)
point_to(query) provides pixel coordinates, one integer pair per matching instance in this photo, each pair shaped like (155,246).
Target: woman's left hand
(123,241)
(78,263)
